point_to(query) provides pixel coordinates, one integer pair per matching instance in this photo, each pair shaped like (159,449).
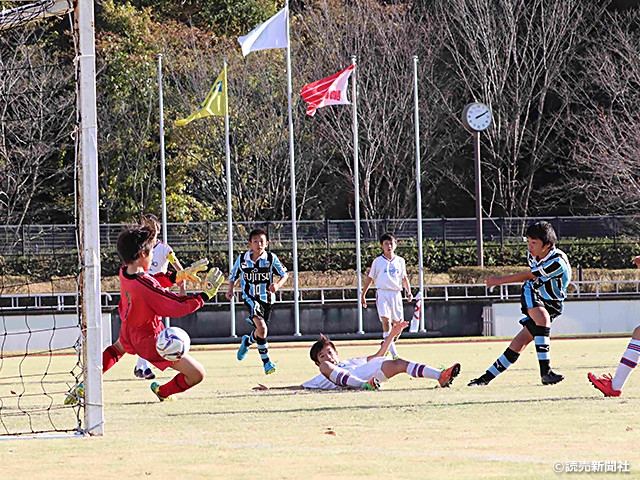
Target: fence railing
(61,239)
(326,295)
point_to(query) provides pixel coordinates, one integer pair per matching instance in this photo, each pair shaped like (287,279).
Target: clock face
(476,117)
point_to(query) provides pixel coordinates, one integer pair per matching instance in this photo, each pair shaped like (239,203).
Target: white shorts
(389,303)
(371,369)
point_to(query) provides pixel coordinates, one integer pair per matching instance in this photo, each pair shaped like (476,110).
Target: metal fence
(599,289)
(61,239)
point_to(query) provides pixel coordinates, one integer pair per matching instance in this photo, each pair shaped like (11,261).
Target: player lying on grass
(144,300)
(612,386)
(364,373)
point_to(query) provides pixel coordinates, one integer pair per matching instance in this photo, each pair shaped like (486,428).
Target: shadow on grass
(385,407)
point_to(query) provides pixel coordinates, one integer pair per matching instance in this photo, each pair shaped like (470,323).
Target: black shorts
(531,298)
(258,309)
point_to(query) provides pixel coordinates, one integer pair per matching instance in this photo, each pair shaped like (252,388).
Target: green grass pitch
(514,428)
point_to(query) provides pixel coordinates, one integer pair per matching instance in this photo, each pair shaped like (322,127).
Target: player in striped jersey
(255,269)
(542,300)
(612,386)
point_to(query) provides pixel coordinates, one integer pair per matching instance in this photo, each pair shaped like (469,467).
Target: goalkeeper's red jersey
(144,300)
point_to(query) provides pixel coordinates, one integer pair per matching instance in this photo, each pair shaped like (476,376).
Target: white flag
(270,34)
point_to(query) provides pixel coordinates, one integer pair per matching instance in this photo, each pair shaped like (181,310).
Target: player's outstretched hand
(260,387)
(398,327)
(191,272)
(212,282)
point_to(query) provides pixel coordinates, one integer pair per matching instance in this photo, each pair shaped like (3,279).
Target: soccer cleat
(478,382)
(74,396)
(447,376)
(373,384)
(155,388)
(603,384)
(244,348)
(148,374)
(552,378)
(269,368)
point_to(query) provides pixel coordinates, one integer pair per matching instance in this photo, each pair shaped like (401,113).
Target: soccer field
(514,428)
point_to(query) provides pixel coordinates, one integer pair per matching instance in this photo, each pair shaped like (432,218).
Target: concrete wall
(579,317)
(212,324)
(37,332)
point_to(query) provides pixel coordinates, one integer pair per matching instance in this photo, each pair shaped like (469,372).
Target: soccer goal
(51,335)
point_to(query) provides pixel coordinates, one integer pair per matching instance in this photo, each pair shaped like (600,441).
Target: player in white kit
(365,373)
(389,273)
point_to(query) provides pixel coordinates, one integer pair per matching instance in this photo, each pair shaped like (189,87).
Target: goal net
(50,327)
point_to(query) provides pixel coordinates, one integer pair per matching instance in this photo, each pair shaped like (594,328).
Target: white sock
(628,362)
(142,364)
(420,370)
(392,346)
(343,378)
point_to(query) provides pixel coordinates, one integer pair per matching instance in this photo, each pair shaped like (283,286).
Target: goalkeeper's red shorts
(142,342)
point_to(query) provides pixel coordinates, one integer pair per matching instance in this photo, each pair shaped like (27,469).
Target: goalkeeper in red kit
(144,301)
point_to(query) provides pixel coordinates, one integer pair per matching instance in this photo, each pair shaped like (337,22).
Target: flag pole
(163,178)
(418,191)
(294,228)
(356,194)
(227,149)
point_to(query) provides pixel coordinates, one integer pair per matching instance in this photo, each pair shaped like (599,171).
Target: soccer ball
(173,343)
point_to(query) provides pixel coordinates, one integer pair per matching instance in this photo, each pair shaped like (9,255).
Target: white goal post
(88,215)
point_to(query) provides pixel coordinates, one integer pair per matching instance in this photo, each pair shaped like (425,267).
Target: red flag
(328,91)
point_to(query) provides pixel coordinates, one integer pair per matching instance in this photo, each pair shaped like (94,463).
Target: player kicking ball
(365,373)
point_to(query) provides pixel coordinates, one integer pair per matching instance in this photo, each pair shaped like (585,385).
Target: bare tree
(36,124)
(511,56)
(603,174)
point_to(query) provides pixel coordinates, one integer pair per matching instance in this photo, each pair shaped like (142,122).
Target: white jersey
(160,260)
(357,366)
(388,274)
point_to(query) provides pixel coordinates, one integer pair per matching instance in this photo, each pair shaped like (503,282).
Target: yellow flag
(214,104)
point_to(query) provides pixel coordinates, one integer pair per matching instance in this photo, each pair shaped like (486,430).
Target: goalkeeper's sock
(392,345)
(263,348)
(629,361)
(343,378)
(110,357)
(541,340)
(507,359)
(420,370)
(177,384)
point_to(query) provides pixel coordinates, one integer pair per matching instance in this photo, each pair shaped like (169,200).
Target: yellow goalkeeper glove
(191,272)
(212,282)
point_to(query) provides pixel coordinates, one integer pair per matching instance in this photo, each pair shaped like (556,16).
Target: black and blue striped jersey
(255,277)
(552,275)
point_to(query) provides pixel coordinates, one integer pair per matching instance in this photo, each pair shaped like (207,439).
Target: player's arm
(175,263)
(396,329)
(233,276)
(407,287)
(289,387)
(280,270)
(514,278)
(365,287)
